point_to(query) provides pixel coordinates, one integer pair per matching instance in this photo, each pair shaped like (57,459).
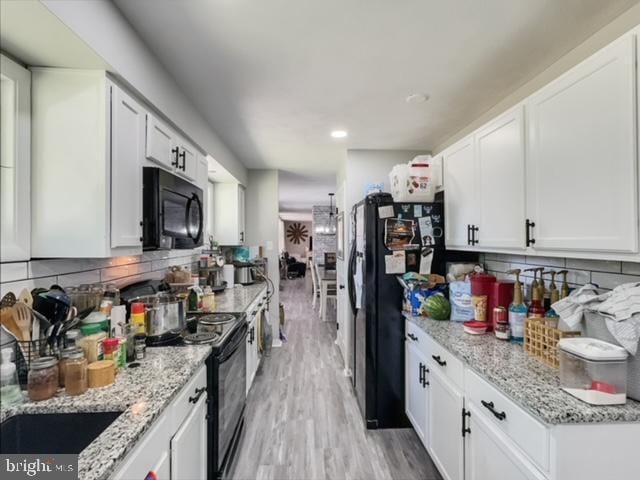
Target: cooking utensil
(23,318)
(8,322)
(25,297)
(164,314)
(8,300)
(53,304)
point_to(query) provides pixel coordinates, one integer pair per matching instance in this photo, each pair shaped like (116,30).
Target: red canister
(482,284)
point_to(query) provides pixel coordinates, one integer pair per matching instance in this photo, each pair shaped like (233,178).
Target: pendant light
(328,227)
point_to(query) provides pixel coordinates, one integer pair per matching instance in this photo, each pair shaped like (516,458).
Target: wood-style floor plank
(302,419)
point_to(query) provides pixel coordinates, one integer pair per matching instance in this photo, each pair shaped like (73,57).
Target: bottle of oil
(517,310)
(554,295)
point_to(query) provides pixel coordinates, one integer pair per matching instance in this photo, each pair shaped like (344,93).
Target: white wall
(262,225)
(104,29)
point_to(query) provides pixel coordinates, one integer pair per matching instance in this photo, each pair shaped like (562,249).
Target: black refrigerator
(381,229)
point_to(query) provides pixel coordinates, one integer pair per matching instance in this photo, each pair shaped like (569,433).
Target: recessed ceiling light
(339,134)
(417,98)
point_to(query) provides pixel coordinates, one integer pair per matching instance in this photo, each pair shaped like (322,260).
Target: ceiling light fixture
(339,134)
(417,98)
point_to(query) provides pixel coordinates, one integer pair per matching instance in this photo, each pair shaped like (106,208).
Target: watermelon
(437,307)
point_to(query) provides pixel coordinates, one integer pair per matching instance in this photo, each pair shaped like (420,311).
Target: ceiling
(274,78)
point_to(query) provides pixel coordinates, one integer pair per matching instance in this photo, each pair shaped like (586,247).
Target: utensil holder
(24,353)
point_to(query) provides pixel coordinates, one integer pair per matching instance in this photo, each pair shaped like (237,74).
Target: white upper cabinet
(459,182)
(15,161)
(582,175)
(168,149)
(229,214)
(161,144)
(87,152)
(500,178)
(127,150)
(187,161)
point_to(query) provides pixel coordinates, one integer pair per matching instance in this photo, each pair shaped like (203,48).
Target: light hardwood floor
(302,419)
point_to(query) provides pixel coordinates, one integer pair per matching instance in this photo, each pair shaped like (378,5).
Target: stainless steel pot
(164,314)
(245,274)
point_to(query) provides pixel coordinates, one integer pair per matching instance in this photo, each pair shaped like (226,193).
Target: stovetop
(212,329)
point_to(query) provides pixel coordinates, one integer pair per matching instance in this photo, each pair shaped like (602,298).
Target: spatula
(26,298)
(7,321)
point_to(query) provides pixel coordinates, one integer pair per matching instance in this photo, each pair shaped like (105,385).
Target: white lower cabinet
(473,431)
(175,447)
(416,389)
(489,455)
(445,429)
(189,445)
(256,322)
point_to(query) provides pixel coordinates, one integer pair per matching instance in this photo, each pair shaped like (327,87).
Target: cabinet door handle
(412,337)
(441,362)
(199,392)
(474,230)
(341,287)
(529,232)
(183,156)
(468,234)
(489,406)
(176,152)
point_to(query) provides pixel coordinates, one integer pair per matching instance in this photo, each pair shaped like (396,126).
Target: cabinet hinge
(465,430)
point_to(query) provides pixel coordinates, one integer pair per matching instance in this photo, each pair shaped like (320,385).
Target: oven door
(231,390)
(182,217)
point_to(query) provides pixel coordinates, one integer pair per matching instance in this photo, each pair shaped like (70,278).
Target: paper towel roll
(228,272)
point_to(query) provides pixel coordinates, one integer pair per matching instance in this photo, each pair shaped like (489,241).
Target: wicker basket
(541,337)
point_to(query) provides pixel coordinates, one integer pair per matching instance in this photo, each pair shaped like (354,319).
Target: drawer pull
(199,392)
(441,362)
(412,337)
(489,406)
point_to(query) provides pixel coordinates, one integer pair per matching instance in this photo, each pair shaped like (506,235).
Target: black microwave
(172,211)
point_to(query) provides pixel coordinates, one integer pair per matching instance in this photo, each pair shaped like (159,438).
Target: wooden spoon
(23,318)
(7,321)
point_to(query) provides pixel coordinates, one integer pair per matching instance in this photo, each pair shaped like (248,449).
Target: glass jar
(64,356)
(75,377)
(42,382)
(72,337)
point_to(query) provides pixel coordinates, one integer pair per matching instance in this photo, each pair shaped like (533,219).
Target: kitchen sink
(52,432)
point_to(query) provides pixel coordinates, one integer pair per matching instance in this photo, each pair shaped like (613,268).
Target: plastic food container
(416,181)
(593,371)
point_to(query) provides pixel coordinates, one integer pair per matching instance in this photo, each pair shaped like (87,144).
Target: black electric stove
(226,333)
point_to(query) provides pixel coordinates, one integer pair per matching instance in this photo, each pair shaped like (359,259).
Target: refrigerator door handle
(350,281)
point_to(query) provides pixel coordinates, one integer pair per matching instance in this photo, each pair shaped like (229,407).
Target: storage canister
(75,376)
(42,381)
(593,370)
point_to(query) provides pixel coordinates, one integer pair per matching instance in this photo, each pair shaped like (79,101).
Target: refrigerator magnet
(395,263)
(386,211)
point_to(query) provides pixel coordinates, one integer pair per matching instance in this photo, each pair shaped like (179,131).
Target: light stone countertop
(142,394)
(529,383)
(238,298)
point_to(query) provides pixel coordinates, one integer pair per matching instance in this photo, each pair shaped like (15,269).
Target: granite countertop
(238,298)
(529,383)
(141,394)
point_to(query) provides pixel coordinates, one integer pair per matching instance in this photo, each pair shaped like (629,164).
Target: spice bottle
(10,393)
(72,337)
(501,323)
(111,347)
(137,317)
(42,382)
(75,377)
(140,341)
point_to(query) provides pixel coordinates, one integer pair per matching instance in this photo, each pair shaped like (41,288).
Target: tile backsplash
(122,271)
(604,273)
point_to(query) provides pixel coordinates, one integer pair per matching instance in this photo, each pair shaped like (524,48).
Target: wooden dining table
(327,279)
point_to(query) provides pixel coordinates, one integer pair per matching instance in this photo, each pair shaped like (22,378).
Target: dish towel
(620,307)
(571,309)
